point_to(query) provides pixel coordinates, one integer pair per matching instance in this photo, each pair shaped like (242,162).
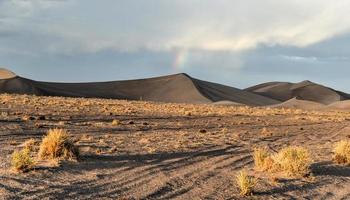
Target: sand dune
(227,103)
(181,88)
(299,104)
(178,88)
(6,74)
(340,105)
(305,90)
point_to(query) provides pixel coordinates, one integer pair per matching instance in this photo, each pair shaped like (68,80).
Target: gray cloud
(194,24)
(240,43)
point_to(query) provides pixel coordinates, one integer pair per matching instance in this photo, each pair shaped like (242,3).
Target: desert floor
(167,151)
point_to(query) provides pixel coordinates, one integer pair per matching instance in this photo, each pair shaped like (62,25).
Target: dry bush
(295,161)
(29,144)
(342,152)
(115,122)
(262,159)
(265,132)
(22,161)
(58,145)
(245,183)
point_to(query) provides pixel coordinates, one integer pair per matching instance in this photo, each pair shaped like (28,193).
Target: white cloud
(90,26)
(301,58)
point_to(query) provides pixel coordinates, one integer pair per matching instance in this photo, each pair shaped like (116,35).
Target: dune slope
(299,104)
(178,88)
(304,90)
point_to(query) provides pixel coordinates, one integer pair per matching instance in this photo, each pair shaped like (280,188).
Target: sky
(234,42)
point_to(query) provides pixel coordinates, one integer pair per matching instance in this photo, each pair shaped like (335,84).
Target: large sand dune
(178,88)
(305,90)
(299,104)
(181,88)
(340,105)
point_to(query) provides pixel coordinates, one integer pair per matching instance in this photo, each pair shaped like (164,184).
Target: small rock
(202,131)
(41,117)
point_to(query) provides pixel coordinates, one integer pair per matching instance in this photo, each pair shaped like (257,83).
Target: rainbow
(180,59)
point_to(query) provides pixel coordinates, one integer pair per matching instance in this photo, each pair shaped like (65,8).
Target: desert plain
(150,150)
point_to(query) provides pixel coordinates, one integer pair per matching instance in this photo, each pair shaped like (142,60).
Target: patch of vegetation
(58,145)
(262,159)
(29,144)
(342,152)
(22,161)
(265,132)
(293,160)
(245,183)
(115,122)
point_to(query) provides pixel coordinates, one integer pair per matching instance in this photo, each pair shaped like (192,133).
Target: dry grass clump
(293,160)
(58,145)
(115,122)
(29,144)
(342,152)
(262,159)
(266,133)
(245,183)
(22,161)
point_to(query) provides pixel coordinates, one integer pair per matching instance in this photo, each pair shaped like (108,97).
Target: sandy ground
(167,151)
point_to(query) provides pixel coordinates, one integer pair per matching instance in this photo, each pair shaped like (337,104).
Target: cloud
(300,58)
(240,42)
(91,26)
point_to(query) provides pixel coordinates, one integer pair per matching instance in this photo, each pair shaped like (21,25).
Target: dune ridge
(305,90)
(182,88)
(178,88)
(299,104)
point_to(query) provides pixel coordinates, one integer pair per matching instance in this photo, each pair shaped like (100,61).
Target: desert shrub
(115,122)
(22,161)
(293,160)
(58,145)
(245,183)
(262,159)
(342,152)
(266,132)
(29,144)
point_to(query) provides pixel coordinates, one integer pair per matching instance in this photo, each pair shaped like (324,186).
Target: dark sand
(305,90)
(178,88)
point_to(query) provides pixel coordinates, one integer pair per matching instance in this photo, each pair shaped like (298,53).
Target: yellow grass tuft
(342,152)
(262,159)
(29,144)
(293,160)
(115,122)
(22,161)
(245,183)
(265,132)
(58,145)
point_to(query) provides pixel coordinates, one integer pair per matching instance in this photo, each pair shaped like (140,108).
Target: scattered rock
(41,118)
(202,131)
(27,118)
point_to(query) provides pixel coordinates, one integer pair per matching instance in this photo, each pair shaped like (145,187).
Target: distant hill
(306,90)
(178,88)
(300,104)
